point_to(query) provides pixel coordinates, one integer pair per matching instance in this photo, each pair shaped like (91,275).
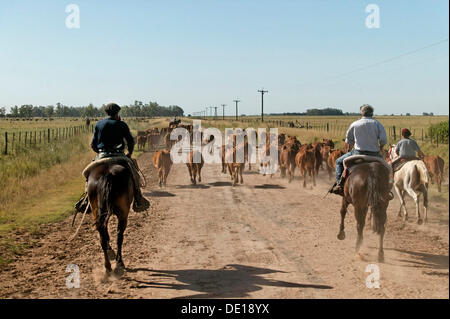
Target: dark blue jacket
(110,133)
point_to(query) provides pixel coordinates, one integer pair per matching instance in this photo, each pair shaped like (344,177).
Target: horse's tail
(105,199)
(375,192)
(422,172)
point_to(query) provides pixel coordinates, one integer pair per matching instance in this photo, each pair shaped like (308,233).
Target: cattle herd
(308,158)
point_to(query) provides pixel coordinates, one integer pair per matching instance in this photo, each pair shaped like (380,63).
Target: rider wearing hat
(367,136)
(108,141)
(406,149)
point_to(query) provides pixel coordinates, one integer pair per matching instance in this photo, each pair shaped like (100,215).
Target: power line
(385,60)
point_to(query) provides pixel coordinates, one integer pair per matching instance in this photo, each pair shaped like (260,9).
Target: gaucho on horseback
(108,141)
(367,136)
(406,150)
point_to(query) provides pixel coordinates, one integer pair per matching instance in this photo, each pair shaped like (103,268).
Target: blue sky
(204,53)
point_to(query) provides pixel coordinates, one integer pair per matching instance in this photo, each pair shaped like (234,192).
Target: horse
(367,186)
(411,178)
(110,191)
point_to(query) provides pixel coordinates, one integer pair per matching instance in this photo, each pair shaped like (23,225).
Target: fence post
(395,135)
(422,135)
(26,137)
(48,135)
(6,143)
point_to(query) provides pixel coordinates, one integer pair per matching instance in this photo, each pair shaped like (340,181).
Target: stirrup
(391,196)
(141,205)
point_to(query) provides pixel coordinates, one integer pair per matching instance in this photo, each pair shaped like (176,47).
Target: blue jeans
(340,161)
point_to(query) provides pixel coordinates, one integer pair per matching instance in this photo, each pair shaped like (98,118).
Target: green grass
(41,184)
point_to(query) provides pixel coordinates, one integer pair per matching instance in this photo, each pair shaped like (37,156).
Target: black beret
(112,109)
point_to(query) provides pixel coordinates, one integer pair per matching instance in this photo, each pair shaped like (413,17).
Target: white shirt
(367,134)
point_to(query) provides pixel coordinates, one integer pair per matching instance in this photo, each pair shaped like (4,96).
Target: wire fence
(13,142)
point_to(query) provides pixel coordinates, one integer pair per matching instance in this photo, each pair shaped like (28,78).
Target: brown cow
(141,140)
(306,162)
(234,167)
(287,157)
(281,139)
(195,168)
(345,147)
(318,156)
(152,141)
(326,150)
(435,167)
(163,163)
(334,155)
(328,142)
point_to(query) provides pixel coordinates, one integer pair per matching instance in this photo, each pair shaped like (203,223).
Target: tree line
(317,112)
(138,109)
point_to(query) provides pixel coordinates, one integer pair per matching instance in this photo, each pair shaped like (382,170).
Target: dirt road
(266,238)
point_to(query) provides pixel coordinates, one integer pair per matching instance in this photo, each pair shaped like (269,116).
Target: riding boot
(140,203)
(338,187)
(82,203)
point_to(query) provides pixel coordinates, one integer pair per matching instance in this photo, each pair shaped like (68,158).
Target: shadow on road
(218,184)
(159,194)
(201,186)
(273,186)
(424,260)
(232,281)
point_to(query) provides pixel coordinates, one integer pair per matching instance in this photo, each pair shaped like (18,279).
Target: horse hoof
(119,270)
(341,235)
(111,254)
(419,222)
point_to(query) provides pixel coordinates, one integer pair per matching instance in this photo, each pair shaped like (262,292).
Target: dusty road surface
(266,238)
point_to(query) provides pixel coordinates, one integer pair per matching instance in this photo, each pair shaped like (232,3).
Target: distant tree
(14,111)
(49,110)
(26,110)
(408,114)
(2,112)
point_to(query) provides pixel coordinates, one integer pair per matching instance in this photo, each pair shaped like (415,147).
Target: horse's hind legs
(425,203)
(360,215)
(107,250)
(341,235)
(121,226)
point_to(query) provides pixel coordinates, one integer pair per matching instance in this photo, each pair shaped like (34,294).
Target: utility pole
(223,111)
(237,101)
(215,112)
(262,103)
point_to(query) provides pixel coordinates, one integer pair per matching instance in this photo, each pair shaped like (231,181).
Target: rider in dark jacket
(108,141)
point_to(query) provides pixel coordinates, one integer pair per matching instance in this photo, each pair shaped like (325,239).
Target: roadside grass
(41,185)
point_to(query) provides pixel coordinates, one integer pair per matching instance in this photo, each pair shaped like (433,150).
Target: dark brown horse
(367,185)
(110,190)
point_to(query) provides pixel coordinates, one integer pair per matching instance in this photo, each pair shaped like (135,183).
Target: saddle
(353,161)
(109,160)
(398,163)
